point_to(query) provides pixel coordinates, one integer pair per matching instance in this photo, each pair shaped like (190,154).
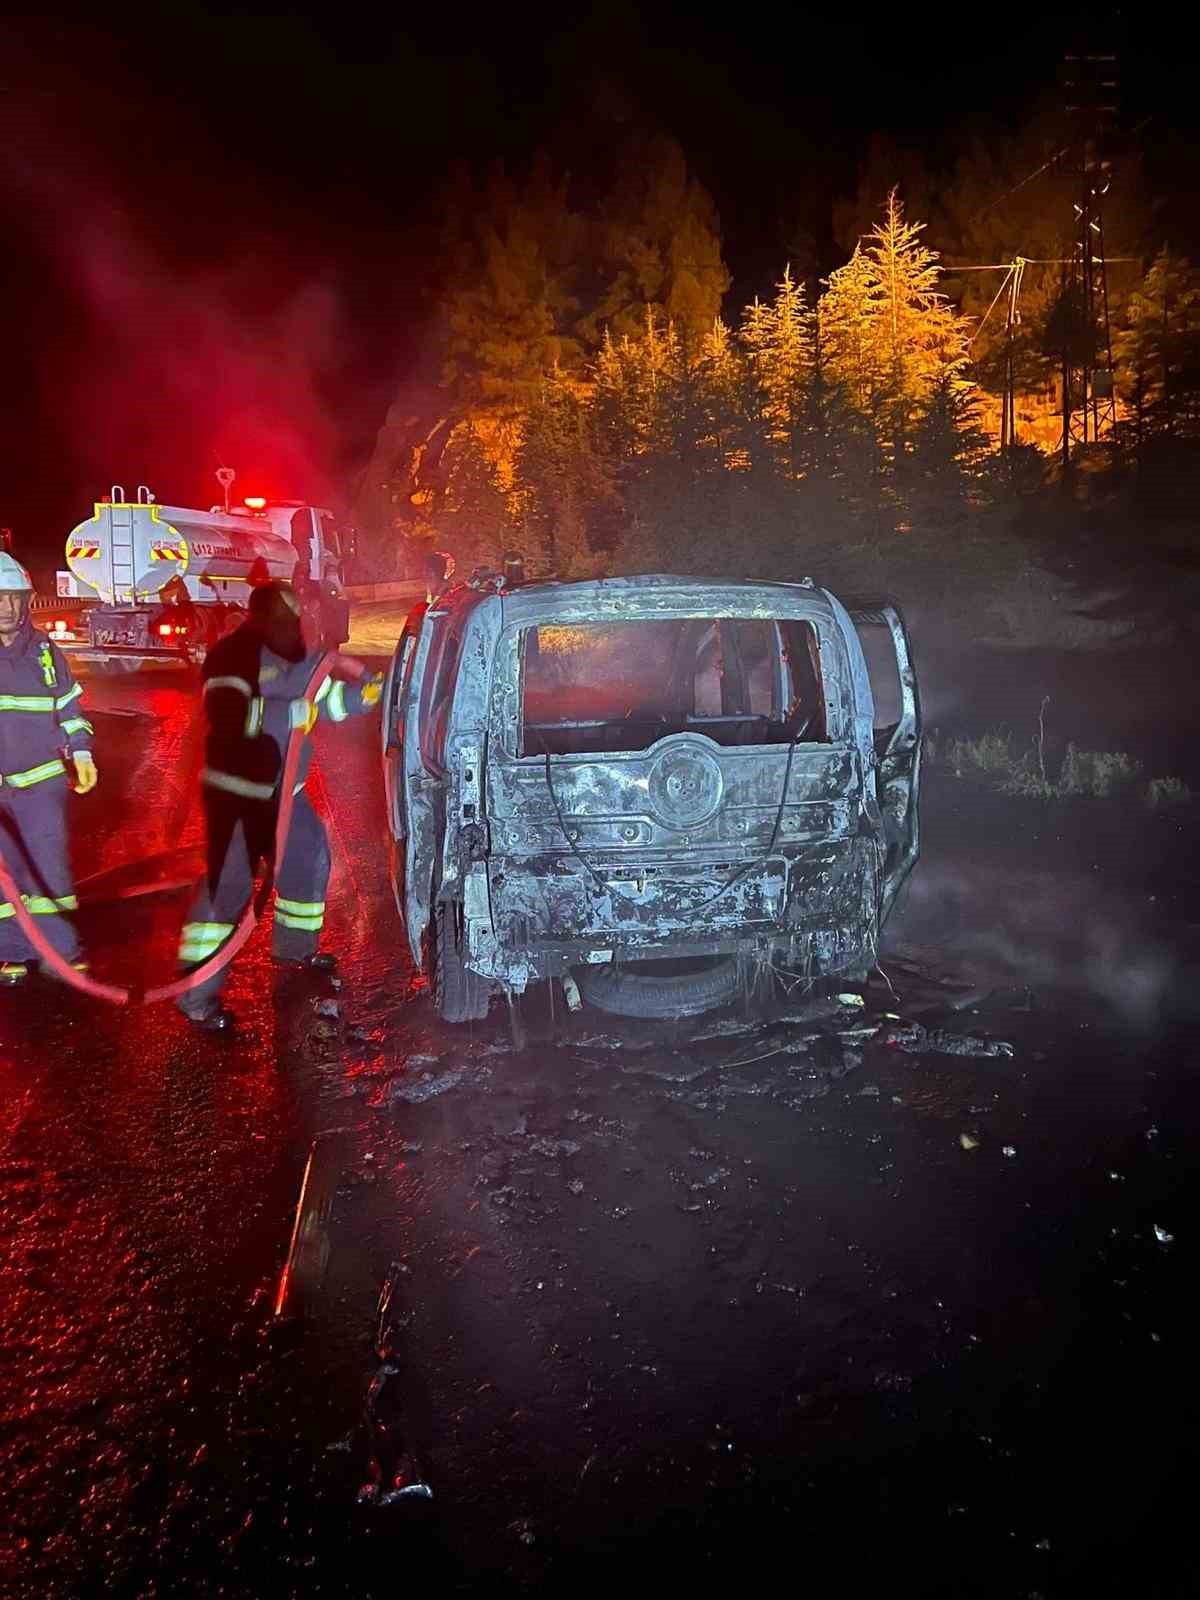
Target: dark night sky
(217,227)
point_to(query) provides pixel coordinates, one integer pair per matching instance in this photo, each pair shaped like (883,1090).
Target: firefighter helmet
(13,577)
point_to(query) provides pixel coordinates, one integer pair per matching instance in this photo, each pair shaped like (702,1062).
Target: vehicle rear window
(591,687)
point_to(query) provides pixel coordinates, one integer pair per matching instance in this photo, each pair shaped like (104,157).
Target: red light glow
(256,502)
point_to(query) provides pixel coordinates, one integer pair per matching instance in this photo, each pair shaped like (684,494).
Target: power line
(1008,193)
(1003,285)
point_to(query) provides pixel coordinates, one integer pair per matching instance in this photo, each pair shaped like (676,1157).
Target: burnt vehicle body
(676,790)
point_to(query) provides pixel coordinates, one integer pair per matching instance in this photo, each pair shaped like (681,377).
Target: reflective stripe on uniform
(326,686)
(306,915)
(27,702)
(23,780)
(301,714)
(239,684)
(41,905)
(372,690)
(77,725)
(232,784)
(337,703)
(301,908)
(73,693)
(199,940)
(255,712)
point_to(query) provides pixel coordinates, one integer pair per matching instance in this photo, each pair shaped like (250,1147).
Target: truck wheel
(459,995)
(625,992)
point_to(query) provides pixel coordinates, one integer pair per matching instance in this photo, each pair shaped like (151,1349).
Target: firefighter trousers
(241,836)
(33,839)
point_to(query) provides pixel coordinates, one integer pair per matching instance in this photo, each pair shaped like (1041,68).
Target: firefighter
(439,569)
(44,739)
(254,681)
(326,609)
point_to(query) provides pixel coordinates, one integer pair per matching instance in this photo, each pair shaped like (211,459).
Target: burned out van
(663,792)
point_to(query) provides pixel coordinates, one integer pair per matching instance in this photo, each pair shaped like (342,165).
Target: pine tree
(510,309)
(470,515)
(778,339)
(564,494)
(659,246)
(948,450)
(889,336)
(1157,350)
(672,413)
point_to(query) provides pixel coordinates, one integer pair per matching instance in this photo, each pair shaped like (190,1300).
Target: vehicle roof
(643,595)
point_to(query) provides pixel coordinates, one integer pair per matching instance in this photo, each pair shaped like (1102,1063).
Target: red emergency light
(255,502)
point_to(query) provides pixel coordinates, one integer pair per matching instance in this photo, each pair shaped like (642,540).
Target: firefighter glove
(86,775)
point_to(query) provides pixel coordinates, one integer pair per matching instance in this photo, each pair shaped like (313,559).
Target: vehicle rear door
(897,735)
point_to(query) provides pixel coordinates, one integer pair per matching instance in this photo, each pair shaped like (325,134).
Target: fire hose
(114,993)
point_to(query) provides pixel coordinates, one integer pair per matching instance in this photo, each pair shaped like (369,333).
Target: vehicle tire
(459,995)
(626,992)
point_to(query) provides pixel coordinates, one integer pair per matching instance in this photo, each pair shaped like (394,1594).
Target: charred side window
(437,691)
(879,653)
(592,687)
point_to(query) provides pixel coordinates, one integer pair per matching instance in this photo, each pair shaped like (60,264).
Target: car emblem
(686,786)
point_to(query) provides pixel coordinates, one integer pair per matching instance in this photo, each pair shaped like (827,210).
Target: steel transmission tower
(1089,407)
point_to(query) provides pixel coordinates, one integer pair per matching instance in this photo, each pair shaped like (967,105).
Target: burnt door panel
(885,645)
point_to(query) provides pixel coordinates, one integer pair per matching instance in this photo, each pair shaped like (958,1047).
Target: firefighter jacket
(41,720)
(253,700)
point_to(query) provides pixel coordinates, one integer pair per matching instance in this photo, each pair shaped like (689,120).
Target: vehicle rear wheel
(459,995)
(629,992)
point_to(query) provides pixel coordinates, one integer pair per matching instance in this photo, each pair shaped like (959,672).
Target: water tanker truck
(167,581)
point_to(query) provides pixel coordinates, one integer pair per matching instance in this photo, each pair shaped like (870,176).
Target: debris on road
(395,1474)
(412,1091)
(968,1141)
(1163,1235)
(915,1039)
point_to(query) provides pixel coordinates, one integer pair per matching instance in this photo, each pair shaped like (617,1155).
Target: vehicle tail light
(165,628)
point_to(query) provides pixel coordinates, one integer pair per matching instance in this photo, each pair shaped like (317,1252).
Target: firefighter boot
(208,1016)
(319,961)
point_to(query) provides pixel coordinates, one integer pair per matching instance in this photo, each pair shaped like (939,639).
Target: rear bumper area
(812,909)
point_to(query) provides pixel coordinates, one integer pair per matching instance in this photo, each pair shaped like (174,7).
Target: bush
(1096,772)
(1099,774)
(989,756)
(1167,794)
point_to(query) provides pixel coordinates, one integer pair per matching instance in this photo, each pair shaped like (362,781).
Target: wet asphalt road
(660,1308)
